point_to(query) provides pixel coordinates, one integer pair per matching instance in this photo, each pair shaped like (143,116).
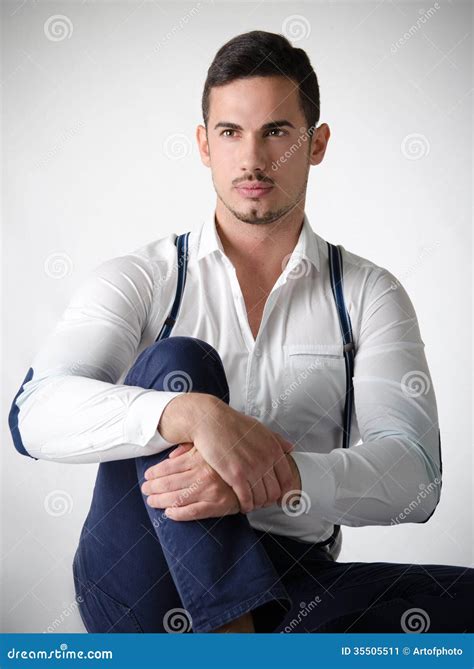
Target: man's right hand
(247,455)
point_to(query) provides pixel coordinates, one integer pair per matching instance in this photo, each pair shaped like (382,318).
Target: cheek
(224,161)
(289,169)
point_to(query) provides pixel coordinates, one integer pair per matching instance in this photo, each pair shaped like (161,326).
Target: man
(237,528)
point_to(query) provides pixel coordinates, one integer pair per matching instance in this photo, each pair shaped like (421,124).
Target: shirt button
(258,352)
(254,411)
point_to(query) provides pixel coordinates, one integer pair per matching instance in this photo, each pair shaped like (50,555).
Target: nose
(253,155)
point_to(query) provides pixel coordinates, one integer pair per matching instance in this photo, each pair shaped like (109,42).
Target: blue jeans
(135,570)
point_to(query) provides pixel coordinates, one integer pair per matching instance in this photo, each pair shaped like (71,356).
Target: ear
(319,142)
(203,145)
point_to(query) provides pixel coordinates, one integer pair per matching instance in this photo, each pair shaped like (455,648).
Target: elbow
(14,420)
(420,503)
(425,492)
(433,496)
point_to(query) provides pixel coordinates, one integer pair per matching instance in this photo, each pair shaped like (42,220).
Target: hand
(188,488)
(248,456)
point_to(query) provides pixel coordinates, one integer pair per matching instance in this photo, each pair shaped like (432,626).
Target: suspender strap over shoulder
(181,243)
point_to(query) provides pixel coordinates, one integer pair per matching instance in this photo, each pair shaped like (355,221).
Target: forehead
(255,100)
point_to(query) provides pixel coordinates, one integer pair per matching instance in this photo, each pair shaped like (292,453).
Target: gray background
(99,115)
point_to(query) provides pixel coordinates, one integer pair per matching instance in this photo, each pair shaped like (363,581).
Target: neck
(262,247)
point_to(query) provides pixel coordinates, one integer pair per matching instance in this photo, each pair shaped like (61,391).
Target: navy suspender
(336,273)
(181,243)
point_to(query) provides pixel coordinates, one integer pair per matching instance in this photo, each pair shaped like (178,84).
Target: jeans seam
(183,580)
(126,610)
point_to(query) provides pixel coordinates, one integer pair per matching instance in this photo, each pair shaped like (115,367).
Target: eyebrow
(266,126)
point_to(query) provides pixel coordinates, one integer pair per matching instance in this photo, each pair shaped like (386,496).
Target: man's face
(239,149)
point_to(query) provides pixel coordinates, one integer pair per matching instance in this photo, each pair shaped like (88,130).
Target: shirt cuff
(143,416)
(318,484)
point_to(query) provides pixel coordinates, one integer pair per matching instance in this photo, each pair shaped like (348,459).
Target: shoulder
(370,288)
(126,277)
(146,263)
(360,274)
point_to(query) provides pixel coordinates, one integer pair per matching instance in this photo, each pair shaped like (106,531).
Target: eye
(227,130)
(277,130)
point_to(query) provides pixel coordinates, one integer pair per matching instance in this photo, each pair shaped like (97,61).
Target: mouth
(254,192)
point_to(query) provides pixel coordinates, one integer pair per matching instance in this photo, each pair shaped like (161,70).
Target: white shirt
(76,409)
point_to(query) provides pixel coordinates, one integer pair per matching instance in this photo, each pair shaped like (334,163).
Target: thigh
(378,597)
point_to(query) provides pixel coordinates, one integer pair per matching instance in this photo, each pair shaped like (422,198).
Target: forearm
(370,484)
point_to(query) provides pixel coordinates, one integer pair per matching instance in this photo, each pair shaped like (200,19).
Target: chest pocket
(314,387)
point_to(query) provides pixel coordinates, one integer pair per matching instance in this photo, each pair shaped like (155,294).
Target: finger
(244,495)
(181,449)
(177,498)
(197,511)
(259,493)
(283,473)
(169,466)
(272,487)
(169,483)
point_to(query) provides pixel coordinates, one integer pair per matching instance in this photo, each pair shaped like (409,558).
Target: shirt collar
(306,246)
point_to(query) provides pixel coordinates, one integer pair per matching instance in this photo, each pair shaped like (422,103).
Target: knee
(181,364)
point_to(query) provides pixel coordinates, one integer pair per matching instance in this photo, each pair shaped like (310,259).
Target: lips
(253,190)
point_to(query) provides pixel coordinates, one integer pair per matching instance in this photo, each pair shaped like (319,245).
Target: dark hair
(264,54)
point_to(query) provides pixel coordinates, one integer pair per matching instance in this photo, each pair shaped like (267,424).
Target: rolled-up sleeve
(394,475)
(70,407)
